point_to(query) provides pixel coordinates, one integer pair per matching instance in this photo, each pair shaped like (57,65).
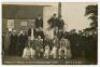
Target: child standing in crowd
(53,52)
(47,52)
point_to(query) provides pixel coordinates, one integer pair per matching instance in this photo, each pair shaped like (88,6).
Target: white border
(0,33)
(49,0)
(3,1)
(99,33)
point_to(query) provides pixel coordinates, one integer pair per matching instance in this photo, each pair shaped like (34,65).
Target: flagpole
(59,9)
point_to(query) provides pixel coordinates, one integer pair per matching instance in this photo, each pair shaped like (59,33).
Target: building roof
(13,11)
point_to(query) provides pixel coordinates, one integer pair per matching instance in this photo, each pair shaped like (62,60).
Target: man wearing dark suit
(60,25)
(38,27)
(13,43)
(52,21)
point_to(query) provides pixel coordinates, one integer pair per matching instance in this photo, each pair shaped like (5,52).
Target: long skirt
(28,53)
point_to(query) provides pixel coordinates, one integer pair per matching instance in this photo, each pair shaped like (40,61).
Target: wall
(47,14)
(19,14)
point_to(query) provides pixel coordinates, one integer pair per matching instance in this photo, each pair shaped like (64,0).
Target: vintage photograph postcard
(50,33)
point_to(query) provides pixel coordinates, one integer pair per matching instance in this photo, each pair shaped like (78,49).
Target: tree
(92,12)
(91,51)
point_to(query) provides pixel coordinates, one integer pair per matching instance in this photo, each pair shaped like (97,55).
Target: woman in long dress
(47,52)
(64,50)
(53,52)
(28,52)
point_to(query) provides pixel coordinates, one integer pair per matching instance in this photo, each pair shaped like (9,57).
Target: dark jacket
(38,23)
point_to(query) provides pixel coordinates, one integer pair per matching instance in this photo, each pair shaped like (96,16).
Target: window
(10,24)
(23,23)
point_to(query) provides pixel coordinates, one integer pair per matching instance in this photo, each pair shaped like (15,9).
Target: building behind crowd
(20,16)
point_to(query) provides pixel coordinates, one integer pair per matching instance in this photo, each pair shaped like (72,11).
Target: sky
(73,15)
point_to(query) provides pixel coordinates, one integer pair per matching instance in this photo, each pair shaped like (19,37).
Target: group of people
(57,50)
(64,44)
(34,42)
(17,42)
(83,44)
(22,45)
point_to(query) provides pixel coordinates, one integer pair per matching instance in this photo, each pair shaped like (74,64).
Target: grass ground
(19,60)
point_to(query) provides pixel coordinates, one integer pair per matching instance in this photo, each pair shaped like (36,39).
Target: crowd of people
(22,45)
(83,44)
(65,45)
(34,41)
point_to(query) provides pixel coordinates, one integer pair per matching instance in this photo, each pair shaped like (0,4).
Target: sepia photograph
(50,33)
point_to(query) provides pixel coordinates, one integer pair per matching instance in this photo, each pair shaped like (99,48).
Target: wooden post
(59,9)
